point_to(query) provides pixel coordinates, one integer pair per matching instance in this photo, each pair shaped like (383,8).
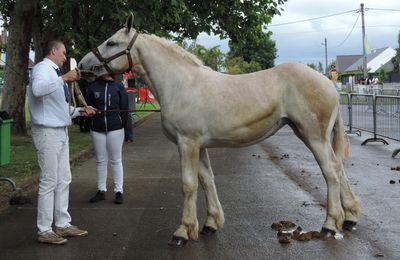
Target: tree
(213,57)
(312,65)
(189,47)
(396,59)
(16,70)
(263,53)
(83,24)
(332,65)
(318,67)
(382,75)
(238,65)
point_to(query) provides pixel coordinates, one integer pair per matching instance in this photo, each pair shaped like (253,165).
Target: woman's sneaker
(119,198)
(100,195)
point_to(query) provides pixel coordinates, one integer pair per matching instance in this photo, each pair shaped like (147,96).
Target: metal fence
(377,114)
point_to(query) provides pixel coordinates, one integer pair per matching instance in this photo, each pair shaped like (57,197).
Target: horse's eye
(111,43)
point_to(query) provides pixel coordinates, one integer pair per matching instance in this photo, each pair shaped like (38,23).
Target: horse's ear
(129,22)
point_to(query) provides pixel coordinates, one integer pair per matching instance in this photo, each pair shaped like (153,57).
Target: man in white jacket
(50,112)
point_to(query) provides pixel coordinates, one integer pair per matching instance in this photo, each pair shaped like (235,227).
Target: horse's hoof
(326,234)
(208,231)
(177,241)
(349,225)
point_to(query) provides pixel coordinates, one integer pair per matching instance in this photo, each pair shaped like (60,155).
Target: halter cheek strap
(127,51)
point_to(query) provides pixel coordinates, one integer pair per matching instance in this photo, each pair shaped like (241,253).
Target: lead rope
(75,88)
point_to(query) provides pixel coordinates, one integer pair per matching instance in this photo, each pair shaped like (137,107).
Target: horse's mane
(176,49)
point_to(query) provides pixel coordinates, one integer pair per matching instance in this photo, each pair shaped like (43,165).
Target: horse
(191,116)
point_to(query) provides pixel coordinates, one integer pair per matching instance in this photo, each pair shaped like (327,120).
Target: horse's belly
(247,134)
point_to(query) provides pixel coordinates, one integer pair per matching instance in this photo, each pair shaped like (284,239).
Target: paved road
(257,186)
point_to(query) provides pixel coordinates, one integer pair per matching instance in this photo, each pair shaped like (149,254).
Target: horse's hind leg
(215,214)
(350,202)
(331,168)
(189,155)
(322,150)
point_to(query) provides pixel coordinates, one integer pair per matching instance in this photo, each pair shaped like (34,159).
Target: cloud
(302,41)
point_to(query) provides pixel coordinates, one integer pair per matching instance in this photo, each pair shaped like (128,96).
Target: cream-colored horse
(194,118)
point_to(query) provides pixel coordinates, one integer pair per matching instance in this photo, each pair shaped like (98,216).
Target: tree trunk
(16,70)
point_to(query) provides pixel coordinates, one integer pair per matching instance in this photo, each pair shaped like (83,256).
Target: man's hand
(88,111)
(71,75)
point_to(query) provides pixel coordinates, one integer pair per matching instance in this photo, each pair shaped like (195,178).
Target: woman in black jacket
(107,130)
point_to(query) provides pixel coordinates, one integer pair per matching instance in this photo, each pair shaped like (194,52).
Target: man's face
(59,55)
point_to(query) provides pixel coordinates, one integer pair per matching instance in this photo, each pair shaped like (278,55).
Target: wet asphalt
(277,179)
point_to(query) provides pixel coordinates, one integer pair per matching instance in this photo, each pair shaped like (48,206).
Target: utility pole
(326,57)
(363,42)
(325,43)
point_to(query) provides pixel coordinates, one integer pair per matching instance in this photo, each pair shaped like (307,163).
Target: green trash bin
(5,137)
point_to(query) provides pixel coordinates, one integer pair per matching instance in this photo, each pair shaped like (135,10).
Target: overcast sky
(303,41)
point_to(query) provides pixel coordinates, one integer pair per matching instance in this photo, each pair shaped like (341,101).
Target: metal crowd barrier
(377,114)
(391,92)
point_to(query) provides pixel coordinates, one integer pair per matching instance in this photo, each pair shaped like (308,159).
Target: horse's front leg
(189,155)
(215,214)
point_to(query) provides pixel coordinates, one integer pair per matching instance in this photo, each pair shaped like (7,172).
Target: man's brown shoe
(71,231)
(52,238)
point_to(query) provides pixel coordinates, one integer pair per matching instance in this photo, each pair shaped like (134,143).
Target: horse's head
(113,56)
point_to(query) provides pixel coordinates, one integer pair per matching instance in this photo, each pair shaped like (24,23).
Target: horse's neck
(163,68)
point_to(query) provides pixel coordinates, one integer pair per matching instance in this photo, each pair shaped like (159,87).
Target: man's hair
(49,45)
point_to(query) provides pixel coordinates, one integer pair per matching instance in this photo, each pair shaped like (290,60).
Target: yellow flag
(367,49)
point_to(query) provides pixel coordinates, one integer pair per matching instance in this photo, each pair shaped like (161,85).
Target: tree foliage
(396,59)
(238,65)
(83,24)
(332,65)
(218,61)
(318,67)
(263,52)
(213,57)
(382,75)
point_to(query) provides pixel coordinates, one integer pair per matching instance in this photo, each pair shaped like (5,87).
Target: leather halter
(127,51)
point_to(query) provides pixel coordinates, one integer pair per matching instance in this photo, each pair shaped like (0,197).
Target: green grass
(145,106)
(23,160)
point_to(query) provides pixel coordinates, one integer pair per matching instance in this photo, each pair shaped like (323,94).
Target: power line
(382,9)
(341,13)
(315,18)
(335,29)
(336,14)
(348,35)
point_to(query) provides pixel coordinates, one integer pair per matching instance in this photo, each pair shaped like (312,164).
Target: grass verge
(23,164)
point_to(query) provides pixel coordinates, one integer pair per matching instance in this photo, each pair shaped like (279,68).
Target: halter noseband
(105,61)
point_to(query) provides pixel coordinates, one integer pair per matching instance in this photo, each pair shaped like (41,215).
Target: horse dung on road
(289,94)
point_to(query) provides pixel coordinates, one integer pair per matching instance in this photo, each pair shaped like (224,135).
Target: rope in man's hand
(81,99)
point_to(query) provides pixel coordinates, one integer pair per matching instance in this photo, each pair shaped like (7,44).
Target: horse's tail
(340,143)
